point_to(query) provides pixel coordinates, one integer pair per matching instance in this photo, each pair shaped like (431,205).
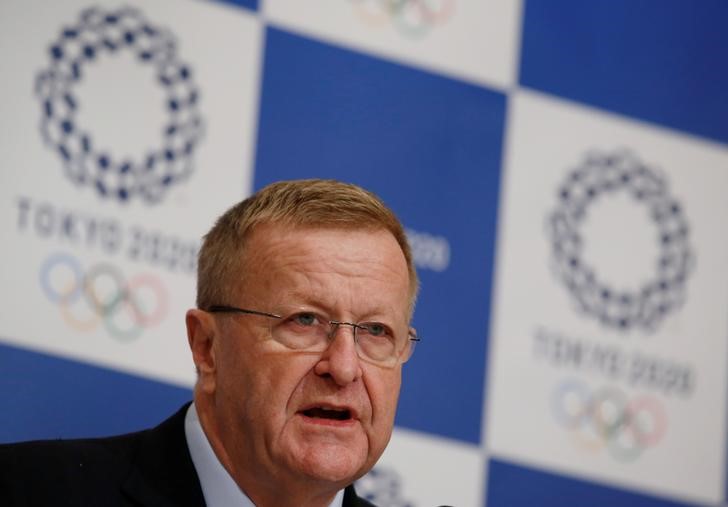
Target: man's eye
(304,319)
(376,329)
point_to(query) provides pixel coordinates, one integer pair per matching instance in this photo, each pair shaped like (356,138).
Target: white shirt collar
(218,487)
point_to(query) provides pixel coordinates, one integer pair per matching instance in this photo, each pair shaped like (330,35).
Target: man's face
(328,415)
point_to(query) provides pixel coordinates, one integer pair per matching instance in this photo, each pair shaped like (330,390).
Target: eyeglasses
(309,331)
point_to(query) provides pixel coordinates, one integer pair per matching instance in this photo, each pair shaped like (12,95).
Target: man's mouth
(337,414)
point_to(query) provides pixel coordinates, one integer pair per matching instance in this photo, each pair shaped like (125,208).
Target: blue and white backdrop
(561,168)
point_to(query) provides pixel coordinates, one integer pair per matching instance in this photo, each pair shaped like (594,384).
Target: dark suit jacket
(148,468)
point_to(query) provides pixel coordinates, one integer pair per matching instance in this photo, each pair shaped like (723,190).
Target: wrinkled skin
(252,392)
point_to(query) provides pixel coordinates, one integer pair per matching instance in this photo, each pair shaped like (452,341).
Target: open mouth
(328,413)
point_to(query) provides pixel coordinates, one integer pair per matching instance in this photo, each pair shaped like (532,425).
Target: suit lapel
(352,500)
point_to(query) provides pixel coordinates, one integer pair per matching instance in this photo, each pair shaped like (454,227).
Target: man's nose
(340,360)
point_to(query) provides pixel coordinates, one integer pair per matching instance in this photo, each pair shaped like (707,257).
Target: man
(304,300)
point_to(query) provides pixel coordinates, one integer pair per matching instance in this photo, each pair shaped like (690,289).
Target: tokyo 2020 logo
(600,177)
(101,34)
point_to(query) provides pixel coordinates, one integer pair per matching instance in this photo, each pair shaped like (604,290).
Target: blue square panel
(47,397)
(515,486)
(431,148)
(663,61)
(246,4)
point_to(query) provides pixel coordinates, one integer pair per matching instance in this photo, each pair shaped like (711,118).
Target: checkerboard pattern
(560,167)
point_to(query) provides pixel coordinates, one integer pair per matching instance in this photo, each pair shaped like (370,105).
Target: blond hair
(304,203)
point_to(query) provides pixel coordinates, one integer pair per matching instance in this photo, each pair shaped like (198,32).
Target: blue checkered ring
(664,291)
(110,32)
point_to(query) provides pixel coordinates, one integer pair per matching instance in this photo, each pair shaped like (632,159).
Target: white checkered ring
(109,32)
(664,291)
(382,486)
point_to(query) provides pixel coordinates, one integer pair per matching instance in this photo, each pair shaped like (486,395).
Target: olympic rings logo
(607,418)
(412,18)
(101,295)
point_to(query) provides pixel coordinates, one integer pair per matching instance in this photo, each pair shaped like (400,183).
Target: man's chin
(334,464)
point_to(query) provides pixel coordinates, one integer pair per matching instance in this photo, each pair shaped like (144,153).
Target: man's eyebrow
(299,298)
(296,297)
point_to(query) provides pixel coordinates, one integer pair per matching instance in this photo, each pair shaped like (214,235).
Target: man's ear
(201,334)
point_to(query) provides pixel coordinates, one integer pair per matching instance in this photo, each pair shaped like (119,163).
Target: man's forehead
(280,229)
(269,244)
(279,258)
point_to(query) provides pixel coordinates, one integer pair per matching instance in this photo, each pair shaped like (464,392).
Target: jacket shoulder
(149,467)
(64,471)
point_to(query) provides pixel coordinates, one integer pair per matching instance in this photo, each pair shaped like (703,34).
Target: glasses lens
(301,330)
(377,342)
(411,345)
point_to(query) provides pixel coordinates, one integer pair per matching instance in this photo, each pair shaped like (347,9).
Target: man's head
(319,204)
(287,399)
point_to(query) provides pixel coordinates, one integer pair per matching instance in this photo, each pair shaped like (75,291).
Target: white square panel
(421,469)
(475,41)
(155,104)
(609,322)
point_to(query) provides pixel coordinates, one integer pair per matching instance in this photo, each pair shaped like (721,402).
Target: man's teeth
(328,413)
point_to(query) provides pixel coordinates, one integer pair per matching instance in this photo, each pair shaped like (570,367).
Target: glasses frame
(334,325)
